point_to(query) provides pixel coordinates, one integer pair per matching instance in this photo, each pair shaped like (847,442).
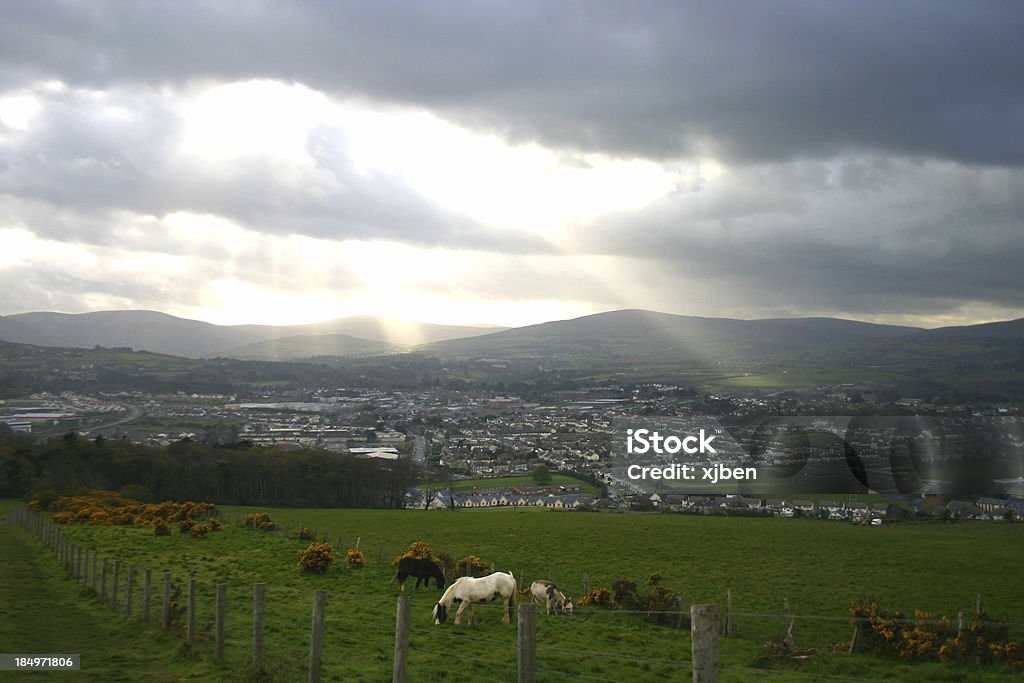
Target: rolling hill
(650,336)
(303,347)
(162,333)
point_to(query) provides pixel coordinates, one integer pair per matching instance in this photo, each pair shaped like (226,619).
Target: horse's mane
(449,593)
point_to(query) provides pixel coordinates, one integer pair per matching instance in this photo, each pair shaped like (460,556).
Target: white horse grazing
(467,590)
(546,593)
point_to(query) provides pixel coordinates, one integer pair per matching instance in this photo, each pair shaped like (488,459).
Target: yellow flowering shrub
(111,508)
(355,558)
(199,530)
(599,597)
(477,567)
(316,558)
(416,549)
(927,637)
(261,521)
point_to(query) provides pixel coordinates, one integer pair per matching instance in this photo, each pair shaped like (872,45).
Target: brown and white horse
(546,593)
(467,590)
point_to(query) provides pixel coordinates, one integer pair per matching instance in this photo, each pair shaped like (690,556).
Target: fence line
(707,622)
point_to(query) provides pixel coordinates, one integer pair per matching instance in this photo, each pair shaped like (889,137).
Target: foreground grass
(817,567)
(47,613)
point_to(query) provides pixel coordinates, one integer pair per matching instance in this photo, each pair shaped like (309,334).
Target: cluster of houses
(855,511)
(717,505)
(554,498)
(986,508)
(557,498)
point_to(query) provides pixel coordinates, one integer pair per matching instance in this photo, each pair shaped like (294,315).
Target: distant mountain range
(162,333)
(617,338)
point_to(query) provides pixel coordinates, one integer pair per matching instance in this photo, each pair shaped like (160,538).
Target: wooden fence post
(165,614)
(258,592)
(113,588)
(147,594)
(527,659)
(316,644)
(128,591)
(95,561)
(103,582)
(401,640)
(728,613)
(222,603)
(191,632)
(704,645)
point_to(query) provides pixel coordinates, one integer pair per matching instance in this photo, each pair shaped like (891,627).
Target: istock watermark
(794,455)
(643,441)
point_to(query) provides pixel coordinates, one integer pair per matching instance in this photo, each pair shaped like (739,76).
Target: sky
(510,163)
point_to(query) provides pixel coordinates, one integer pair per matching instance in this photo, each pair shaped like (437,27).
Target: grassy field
(810,377)
(818,567)
(46,613)
(504,482)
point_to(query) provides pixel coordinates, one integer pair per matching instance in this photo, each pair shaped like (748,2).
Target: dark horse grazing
(423,569)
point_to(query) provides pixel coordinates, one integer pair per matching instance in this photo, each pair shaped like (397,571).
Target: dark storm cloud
(861,235)
(747,80)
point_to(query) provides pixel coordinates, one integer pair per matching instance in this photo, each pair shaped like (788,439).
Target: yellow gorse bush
(111,508)
(929,638)
(316,558)
(261,521)
(355,558)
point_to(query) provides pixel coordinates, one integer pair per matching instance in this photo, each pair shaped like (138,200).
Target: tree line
(237,474)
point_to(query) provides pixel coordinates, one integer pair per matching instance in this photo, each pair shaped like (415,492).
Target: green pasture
(815,568)
(44,612)
(506,482)
(808,377)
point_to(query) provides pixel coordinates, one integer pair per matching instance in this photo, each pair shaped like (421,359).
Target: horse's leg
(506,619)
(458,614)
